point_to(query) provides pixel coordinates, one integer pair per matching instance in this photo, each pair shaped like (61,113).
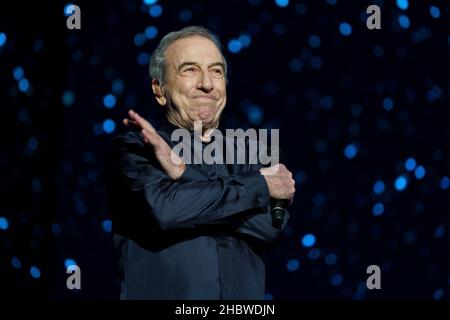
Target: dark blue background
(352,105)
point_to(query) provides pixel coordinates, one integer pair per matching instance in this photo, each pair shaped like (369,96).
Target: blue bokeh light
(336,279)
(282,3)
(155,11)
(68,12)
(4,224)
(314,41)
(401,183)
(404,21)
(234,46)
(379,187)
(56,229)
(434,93)
(308,240)
(435,12)
(388,104)
(139,39)
(109,101)
(345,29)
(293,265)
(16,263)
(24,85)
(439,232)
(350,151)
(118,86)
(35,272)
(410,164)
(2,39)
(68,98)
(143,59)
(33,143)
(438,294)
(151,32)
(107,225)
(378,209)
(445,183)
(245,40)
(420,172)
(109,126)
(255,114)
(69,262)
(402,4)
(18,73)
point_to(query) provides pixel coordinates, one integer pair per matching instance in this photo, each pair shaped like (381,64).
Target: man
(182,230)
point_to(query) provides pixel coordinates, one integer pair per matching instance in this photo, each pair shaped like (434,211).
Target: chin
(205,118)
(206,123)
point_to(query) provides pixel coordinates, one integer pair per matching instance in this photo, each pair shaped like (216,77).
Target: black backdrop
(363,118)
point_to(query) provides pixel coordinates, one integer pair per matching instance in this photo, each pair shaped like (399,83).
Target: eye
(217,72)
(189,70)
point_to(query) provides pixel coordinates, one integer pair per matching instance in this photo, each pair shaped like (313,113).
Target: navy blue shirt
(202,236)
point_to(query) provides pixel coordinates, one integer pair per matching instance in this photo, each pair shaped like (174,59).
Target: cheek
(185,90)
(221,89)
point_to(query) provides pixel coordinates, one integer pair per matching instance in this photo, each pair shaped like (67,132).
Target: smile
(206,97)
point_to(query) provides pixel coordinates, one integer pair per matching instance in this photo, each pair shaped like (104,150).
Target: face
(194,88)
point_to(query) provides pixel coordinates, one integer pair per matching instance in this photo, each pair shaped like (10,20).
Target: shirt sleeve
(191,200)
(257,225)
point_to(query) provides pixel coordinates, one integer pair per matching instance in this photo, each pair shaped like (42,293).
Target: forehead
(193,49)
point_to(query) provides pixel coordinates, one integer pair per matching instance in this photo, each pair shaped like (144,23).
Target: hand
(280,182)
(171,163)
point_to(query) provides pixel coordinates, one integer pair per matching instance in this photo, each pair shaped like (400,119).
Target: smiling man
(193,85)
(182,230)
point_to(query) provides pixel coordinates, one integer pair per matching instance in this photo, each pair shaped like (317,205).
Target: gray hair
(157,64)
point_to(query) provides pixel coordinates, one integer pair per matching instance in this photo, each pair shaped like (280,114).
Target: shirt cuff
(257,190)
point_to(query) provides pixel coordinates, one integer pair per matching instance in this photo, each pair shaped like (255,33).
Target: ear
(158,92)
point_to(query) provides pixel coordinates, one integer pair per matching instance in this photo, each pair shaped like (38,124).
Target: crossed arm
(185,196)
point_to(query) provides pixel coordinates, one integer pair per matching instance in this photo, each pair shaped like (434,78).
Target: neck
(206,130)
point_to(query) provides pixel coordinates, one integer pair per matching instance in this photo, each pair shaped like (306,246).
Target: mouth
(206,97)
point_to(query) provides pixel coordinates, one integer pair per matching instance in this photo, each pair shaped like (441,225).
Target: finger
(129,122)
(148,136)
(154,139)
(141,121)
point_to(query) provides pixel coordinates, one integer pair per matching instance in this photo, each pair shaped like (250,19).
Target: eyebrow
(190,63)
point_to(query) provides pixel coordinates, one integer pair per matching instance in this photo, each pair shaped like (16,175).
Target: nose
(205,83)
